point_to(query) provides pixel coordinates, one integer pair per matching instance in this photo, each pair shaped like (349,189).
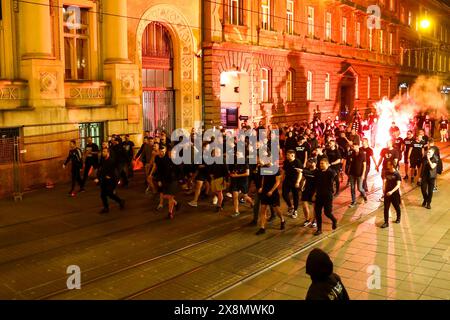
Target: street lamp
(425,23)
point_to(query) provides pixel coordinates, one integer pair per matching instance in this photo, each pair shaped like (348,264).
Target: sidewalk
(413,257)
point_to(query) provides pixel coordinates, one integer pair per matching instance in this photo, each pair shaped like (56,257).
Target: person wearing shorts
(239,174)
(408,141)
(308,186)
(219,173)
(416,154)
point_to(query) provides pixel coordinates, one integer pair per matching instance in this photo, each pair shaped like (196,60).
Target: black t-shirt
(389,156)
(355,139)
(417,149)
(357,163)
(342,143)
(369,154)
(324,183)
(91,147)
(290,172)
(301,150)
(164,169)
(128,147)
(397,144)
(330,289)
(218,170)
(310,180)
(333,155)
(391,180)
(269,179)
(239,169)
(408,143)
(427,172)
(443,124)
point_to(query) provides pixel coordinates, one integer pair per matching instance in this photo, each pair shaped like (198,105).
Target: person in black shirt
(269,196)
(388,154)
(308,187)
(291,182)
(443,129)
(437,154)
(107,178)
(416,153)
(346,156)
(399,145)
(313,143)
(219,174)
(408,142)
(325,285)
(428,174)
(324,195)
(120,159)
(391,190)
(427,125)
(369,156)
(302,150)
(357,173)
(239,173)
(335,160)
(201,177)
(91,152)
(164,170)
(257,199)
(291,142)
(128,146)
(75,156)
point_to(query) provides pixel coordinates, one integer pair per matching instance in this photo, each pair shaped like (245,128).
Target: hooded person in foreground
(325,285)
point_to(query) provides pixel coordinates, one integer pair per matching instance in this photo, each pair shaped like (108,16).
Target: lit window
(265,85)
(327,86)
(236,12)
(344,30)
(290,17)
(392,5)
(76,44)
(370,39)
(389,87)
(358,34)
(309,86)
(368,87)
(381,41)
(328,26)
(416,59)
(356,87)
(311,21)
(402,14)
(379,87)
(409,18)
(265,11)
(409,58)
(402,52)
(390,42)
(289,86)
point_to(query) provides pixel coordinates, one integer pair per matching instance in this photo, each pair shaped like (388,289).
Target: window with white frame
(328,26)
(370,39)
(309,86)
(358,34)
(389,87)
(327,86)
(236,12)
(381,41)
(289,86)
(379,87)
(344,30)
(310,14)
(356,87)
(265,78)
(391,37)
(368,87)
(76,43)
(409,18)
(265,12)
(290,17)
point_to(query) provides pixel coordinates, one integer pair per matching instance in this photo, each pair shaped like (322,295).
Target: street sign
(242,118)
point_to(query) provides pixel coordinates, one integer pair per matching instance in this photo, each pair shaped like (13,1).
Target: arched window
(309,86)
(327,86)
(289,85)
(356,87)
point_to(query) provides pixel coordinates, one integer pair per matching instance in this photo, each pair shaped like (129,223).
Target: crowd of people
(315,159)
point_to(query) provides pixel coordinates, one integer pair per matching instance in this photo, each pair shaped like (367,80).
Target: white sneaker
(306,223)
(294,215)
(193,204)
(215,200)
(313,225)
(229,195)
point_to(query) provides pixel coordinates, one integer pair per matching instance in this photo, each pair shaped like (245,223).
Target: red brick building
(276,61)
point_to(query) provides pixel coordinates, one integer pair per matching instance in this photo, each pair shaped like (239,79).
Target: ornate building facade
(277,61)
(79,68)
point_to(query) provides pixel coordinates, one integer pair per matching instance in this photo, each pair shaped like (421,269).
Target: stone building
(277,61)
(72,69)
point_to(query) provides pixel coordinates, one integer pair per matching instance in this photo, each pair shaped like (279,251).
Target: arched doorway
(158,98)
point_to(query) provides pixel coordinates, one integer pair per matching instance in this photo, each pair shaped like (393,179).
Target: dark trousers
(123,176)
(393,199)
(286,189)
(256,207)
(325,203)
(365,187)
(76,177)
(107,188)
(427,189)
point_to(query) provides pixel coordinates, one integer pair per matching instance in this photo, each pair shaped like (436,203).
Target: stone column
(115,31)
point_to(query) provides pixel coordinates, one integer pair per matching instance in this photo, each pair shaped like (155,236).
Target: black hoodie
(326,285)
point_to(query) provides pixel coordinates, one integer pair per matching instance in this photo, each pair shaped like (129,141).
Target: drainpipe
(202,60)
